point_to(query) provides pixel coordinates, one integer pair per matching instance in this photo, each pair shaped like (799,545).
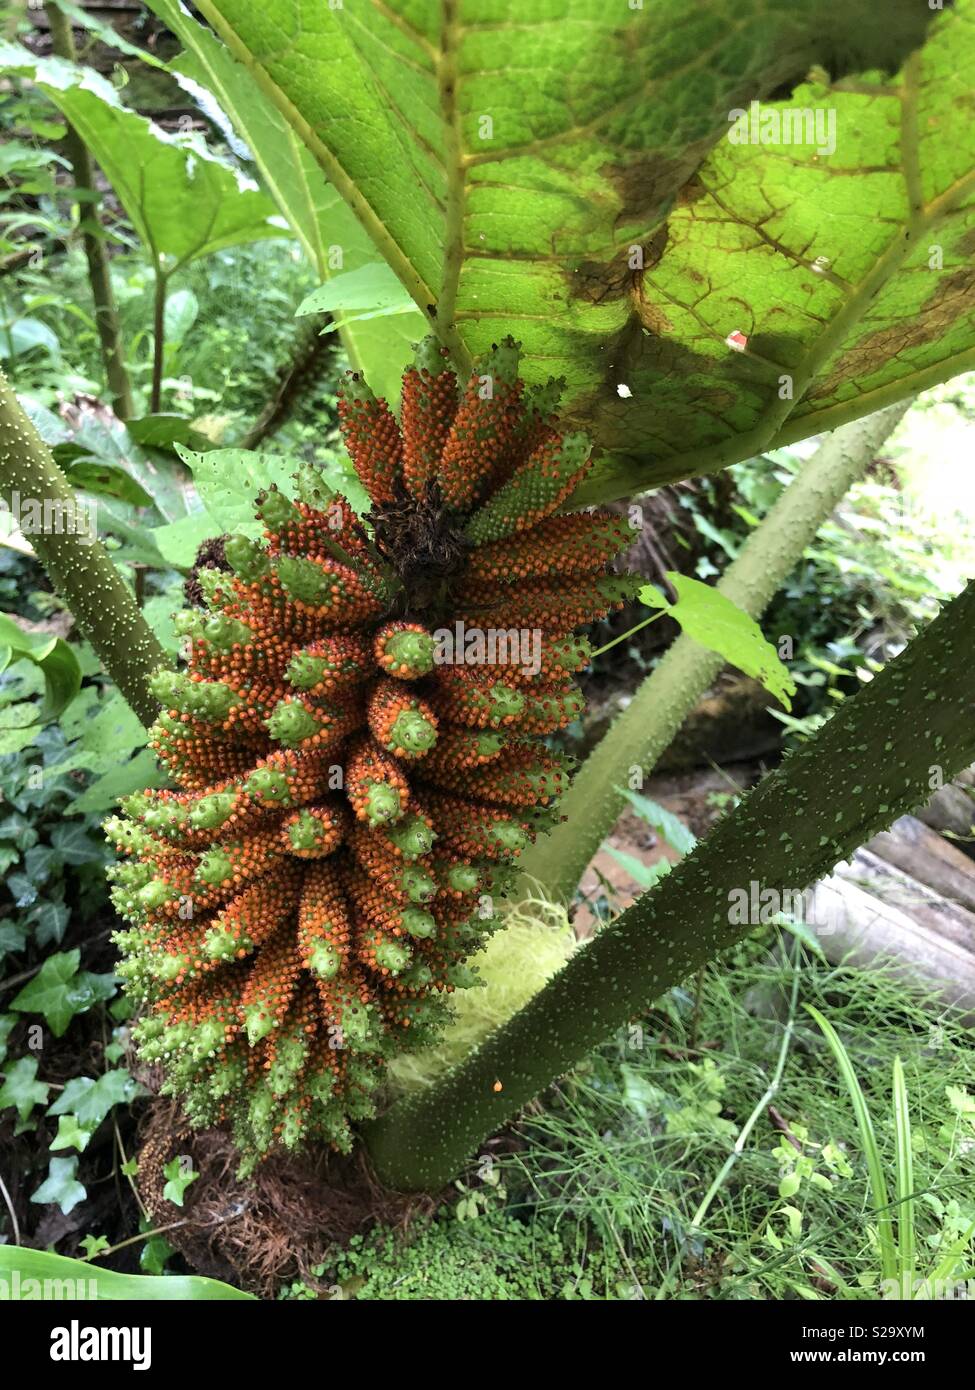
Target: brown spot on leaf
(952,298)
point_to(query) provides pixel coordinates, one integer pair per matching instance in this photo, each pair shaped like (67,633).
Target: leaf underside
(506,160)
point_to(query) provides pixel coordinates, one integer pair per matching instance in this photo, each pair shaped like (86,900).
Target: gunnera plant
(351,789)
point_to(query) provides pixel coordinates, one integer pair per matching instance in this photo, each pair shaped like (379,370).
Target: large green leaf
(514,165)
(182,200)
(329,232)
(51,1276)
(55,659)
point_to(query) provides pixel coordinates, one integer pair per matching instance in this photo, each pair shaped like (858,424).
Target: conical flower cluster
(356,743)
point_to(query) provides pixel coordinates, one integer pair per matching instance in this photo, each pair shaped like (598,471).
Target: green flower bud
(412,837)
(393,955)
(304,579)
(382,804)
(215,867)
(312,488)
(247,558)
(305,671)
(463,878)
(463,977)
(419,976)
(306,833)
(416,922)
(325,960)
(208,1039)
(214,586)
(418,886)
(505,701)
(223,633)
(276,511)
(258,1023)
(166,817)
(290,723)
(212,811)
(508,836)
(167,686)
(221,944)
(188,622)
(413,732)
(413,650)
(154,894)
(267,784)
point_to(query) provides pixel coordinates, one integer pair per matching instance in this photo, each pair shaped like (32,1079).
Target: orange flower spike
(252,917)
(559,546)
(540,605)
(475,830)
(481,697)
(324,924)
(345,796)
(534,491)
(429,405)
(400,721)
(372,438)
(484,427)
(403,881)
(372,903)
(460,748)
(520,777)
(376,787)
(331,666)
(270,987)
(539,424)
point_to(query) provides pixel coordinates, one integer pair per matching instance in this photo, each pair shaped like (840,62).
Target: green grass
(628,1184)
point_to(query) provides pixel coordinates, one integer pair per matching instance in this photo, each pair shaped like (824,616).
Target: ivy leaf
(59,991)
(90,1101)
(13,935)
(21,1089)
(178,1178)
(76,846)
(50,919)
(709,617)
(61,1185)
(94,1245)
(19,829)
(155,1254)
(71,1134)
(566,175)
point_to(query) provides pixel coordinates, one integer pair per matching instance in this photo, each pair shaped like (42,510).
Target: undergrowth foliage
(347,799)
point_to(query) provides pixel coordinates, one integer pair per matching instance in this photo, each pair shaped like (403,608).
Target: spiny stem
(77,564)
